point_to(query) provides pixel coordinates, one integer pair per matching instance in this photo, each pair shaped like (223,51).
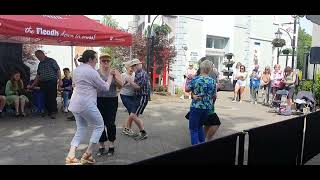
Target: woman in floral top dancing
(202,86)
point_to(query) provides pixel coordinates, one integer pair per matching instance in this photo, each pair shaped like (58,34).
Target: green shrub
(161,89)
(305,85)
(179,91)
(317,88)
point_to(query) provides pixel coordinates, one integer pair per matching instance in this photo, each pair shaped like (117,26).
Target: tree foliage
(118,54)
(109,21)
(28,51)
(304,43)
(164,49)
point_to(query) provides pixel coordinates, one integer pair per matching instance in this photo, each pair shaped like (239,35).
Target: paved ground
(37,140)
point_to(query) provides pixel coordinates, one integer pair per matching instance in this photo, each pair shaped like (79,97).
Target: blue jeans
(196,120)
(66,95)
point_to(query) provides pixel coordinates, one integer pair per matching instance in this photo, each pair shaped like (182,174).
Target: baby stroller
(278,104)
(305,102)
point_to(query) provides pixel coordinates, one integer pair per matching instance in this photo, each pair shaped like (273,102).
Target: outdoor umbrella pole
(71,58)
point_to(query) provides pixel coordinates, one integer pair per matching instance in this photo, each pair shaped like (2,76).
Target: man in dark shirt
(48,74)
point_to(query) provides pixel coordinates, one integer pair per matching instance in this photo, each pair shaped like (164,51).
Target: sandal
(72,161)
(87,159)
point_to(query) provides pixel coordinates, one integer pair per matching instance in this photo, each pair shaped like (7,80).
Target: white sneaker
(125,131)
(234,101)
(255,102)
(240,101)
(132,133)
(65,110)
(181,97)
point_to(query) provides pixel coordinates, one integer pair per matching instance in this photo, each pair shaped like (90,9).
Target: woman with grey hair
(212,123)
(203,87)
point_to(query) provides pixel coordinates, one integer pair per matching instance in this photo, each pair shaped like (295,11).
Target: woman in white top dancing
(83,105)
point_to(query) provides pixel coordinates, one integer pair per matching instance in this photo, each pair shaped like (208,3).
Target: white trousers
(91,116)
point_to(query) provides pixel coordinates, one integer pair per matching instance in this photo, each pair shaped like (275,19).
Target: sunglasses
(105,61)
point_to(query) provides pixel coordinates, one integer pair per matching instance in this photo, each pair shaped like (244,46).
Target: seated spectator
(15,93)
(289,80)
(2,101)
(66,88)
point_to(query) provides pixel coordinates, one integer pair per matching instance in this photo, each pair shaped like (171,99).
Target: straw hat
(133,62)
(105,55)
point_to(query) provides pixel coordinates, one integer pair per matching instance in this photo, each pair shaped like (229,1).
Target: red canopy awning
(66,30)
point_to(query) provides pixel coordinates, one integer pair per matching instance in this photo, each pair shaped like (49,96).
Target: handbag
(187,115)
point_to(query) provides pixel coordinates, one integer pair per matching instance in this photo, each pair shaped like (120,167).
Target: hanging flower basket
(278,42)
(286,51)
(227,73)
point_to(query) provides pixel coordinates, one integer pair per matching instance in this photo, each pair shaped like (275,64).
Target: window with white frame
(216,42)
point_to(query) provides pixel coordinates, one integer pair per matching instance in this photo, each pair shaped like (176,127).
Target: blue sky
(306,24)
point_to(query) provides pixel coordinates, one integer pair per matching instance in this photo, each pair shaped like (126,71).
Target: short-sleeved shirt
(142,80)
(112,92)
(66,83)
(47,70)
(276,78)
(205,87)
(243,74)
(127,89)
(254,82)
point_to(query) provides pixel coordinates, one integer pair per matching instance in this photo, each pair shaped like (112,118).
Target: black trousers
(49,89)
(108,107)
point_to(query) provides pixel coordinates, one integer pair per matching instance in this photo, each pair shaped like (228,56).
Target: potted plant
(227,72)
(278,42)
(229,55)
(228,63)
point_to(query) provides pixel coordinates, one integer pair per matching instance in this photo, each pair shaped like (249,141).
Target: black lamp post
(293,39)
(278,36)
(295,17)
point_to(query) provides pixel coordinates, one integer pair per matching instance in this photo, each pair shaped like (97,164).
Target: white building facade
(213,36)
